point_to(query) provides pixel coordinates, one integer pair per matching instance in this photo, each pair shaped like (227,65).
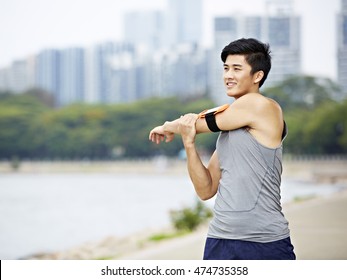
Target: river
(53,212)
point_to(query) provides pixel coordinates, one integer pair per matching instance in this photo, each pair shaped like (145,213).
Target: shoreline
(155,166)
(322,232)
(311,170)
(137,245)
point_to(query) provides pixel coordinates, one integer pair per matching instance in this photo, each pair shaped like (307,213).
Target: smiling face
(237,76)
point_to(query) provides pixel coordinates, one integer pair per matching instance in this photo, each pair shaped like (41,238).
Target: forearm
(173,126)
(199,174)
(205,180)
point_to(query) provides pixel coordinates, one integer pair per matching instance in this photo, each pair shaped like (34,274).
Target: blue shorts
(228,249)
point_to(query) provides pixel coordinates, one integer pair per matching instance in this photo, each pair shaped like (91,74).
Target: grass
(303,198)
(165,236)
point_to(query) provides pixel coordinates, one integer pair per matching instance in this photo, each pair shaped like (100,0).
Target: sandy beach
(318,232)
(318,225)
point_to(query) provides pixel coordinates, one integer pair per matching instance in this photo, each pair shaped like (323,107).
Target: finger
(152,136)
(169,138)
(159,138)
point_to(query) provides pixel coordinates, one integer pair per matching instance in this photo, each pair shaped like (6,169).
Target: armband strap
(210,117)
(211,122)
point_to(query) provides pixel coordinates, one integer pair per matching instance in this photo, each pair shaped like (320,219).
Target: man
(245,170)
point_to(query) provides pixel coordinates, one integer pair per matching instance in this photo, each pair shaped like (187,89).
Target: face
(237,77)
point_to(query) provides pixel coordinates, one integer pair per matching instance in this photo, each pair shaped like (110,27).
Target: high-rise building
(184,22)
(342,46)
(168,59)
(91,85)
(144,29)
(282,32)
(180,23)
(72,76)
(47,74)
(61,73)
(125,82)
(186,71)
(225,31)
(101,82)
(19,76)
(177,71)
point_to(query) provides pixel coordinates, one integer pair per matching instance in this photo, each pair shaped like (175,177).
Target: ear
(258,76)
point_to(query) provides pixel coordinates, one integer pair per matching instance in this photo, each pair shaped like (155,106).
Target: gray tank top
(247,205)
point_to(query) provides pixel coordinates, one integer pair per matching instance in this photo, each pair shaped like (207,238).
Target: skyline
(23,33)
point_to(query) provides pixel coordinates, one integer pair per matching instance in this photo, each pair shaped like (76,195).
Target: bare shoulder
(267,124)
(254,111)
(259,105)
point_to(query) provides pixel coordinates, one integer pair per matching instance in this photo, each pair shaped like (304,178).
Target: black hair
(257,55)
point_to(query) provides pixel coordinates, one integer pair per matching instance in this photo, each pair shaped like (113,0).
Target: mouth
(230,84)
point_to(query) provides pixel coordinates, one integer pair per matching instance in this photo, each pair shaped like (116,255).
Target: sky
(26,27)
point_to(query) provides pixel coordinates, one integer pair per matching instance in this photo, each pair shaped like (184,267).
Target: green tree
(31,128)
(304,92)
(17,114)
(318,131)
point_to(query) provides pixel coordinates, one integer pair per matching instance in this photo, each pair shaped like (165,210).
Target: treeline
(315,110)
(322,130)
(31,128)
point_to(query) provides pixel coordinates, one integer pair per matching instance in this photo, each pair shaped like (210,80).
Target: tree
(304,92)
(32,129)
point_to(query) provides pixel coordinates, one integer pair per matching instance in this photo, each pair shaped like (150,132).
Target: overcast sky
(28,26)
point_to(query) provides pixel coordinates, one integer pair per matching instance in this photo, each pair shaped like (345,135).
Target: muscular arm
(204,179)
(247,111)
(262,117)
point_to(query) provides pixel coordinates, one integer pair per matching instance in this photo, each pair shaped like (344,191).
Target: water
(54,212)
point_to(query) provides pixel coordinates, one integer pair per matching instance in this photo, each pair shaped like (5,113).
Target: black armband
(211,122)
(210,117)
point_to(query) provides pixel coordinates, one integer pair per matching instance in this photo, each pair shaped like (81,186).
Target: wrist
(188,144)
(171,127)
(166,126)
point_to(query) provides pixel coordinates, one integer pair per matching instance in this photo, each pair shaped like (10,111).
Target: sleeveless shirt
(247,206)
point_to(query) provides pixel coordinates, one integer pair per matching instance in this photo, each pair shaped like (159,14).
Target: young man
(245,170)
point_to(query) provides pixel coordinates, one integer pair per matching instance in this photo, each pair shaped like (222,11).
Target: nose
(228,74)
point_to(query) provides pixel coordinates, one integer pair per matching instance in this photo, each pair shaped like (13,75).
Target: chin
(233,95)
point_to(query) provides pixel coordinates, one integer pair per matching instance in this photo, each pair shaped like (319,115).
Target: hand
(187,128)
(158,134)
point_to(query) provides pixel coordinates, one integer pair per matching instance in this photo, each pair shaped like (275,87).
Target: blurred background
(82,84)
